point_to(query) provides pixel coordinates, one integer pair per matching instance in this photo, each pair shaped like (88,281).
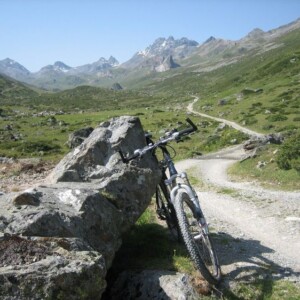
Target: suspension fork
(193,203)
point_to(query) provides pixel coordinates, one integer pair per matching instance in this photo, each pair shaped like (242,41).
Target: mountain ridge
(164,54)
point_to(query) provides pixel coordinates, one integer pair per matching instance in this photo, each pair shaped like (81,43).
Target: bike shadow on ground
(245,260)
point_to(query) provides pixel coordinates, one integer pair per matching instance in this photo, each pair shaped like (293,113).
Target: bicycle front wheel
(195,235)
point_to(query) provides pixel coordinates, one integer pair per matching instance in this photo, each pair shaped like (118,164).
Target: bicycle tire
(166,211)
(198,243)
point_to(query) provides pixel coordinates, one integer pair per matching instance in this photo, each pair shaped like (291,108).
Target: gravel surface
(18,175)
(256,231)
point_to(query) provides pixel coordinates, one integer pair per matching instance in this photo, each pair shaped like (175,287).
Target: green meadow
(260,91)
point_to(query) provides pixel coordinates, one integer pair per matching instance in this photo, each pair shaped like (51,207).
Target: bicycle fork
(192,201)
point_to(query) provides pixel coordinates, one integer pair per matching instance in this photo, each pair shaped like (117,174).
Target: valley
(234,91)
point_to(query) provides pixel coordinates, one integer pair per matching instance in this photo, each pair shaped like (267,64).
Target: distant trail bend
(229,123)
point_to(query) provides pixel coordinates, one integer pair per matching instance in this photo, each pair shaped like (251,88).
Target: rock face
(58,240)
(78,136)
(167,64)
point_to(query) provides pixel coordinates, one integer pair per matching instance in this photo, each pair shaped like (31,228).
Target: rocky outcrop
(167,64)
(58,240)
(116,87)
(78,136)
(258,142)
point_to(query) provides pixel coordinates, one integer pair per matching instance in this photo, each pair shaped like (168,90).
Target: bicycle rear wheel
(166,211)
(194,232)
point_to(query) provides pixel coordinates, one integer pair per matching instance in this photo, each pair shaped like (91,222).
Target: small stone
(261,164)
(26,198)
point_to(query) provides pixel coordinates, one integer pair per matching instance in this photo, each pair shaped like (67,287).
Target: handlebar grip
(188,130)
(185,131)
(195,128)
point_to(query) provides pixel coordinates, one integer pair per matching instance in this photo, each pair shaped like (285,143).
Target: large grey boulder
(58,240)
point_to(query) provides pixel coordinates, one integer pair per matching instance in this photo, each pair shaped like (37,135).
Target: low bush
(38,146)
(289,155)
(277,118)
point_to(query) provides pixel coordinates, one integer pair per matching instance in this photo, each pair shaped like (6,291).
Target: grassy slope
(14,92)
(275,71)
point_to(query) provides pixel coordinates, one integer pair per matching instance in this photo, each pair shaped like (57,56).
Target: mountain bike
(178,204)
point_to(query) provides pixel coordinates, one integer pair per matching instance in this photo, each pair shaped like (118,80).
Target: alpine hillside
(162,59)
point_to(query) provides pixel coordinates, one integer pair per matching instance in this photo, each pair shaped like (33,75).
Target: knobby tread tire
(190,243)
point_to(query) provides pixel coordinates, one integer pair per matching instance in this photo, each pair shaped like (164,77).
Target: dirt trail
(257,230)
(229,123)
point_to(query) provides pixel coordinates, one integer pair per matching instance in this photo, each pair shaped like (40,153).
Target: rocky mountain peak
(163,46)
(154,56)
(255,33)
(13,69)
(210,39)
(113,61)
(102,60)
(10,63)
(60,66)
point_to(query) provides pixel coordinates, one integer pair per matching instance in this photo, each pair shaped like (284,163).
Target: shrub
(38,146)
(290,127)
(276,118)
(289,155)
(268,127)
(249,120)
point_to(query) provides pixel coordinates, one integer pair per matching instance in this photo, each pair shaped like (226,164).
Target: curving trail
(257,230)
(229,123)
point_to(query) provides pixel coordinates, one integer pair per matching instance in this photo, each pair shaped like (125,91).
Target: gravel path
(257,231)
(229,123)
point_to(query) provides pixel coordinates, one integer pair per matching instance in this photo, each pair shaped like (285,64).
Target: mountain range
(165,54)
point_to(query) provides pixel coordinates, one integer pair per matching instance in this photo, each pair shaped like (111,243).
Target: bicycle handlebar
(188,130)
(173,135)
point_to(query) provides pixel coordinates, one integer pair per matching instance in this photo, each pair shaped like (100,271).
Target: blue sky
(39,32)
